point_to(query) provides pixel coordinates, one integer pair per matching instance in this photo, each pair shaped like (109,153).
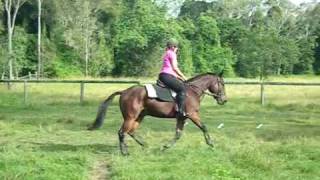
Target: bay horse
(135,105)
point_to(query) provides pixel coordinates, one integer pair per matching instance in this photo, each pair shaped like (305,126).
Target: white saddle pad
(152,92)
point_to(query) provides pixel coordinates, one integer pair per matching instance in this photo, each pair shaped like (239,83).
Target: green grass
(47,137)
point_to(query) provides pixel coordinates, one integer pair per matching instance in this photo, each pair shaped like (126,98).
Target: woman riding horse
(171,75)
(135,105)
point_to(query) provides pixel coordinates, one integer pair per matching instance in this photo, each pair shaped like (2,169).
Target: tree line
(246,38)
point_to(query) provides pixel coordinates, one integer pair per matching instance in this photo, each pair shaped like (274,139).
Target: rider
(171,75)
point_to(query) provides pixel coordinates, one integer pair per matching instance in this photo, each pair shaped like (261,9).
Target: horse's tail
(102,111)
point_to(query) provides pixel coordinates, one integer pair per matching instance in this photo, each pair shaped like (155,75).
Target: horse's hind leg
(137,138)
(179,129)
(125,128)
(135,126)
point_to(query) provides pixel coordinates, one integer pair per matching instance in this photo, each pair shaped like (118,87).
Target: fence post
(262,96)
(81,92)
(25,92)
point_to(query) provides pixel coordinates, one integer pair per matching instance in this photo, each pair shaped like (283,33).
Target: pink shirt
(169,58)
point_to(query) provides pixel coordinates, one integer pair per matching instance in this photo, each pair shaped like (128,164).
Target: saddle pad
(160,93)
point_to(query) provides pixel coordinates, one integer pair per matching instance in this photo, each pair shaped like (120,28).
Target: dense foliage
(126,37)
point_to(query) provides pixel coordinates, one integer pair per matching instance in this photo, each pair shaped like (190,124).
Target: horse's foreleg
(196,120)
(179,129)
(206,135)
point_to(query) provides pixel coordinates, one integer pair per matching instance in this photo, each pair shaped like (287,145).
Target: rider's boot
(180,102)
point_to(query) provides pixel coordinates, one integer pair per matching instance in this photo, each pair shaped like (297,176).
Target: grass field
(47,138)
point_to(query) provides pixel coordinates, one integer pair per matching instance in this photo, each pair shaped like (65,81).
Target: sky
(297,2)
(174,10)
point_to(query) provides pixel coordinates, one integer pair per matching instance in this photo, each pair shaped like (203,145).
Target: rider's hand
(183,79)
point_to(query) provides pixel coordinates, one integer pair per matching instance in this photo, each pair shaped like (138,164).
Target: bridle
(201,92)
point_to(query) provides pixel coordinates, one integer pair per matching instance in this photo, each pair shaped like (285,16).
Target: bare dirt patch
(100,171)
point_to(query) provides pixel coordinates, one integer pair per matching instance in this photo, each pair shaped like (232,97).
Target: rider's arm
(175,67)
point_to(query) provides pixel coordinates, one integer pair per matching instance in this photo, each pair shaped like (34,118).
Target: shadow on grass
(294,131)
(95,148)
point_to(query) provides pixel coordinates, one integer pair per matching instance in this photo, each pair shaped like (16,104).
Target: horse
(135,105)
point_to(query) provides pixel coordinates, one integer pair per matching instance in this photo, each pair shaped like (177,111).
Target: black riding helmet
(172,42)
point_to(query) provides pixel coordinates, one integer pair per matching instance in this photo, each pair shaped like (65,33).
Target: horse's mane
(199,76)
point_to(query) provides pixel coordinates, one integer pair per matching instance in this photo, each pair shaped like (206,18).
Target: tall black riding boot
(180,102)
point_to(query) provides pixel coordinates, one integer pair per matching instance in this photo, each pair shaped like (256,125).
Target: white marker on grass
(259,126)
(220,126)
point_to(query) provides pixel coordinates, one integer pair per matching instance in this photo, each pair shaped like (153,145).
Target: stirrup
(179,114)
(183,114)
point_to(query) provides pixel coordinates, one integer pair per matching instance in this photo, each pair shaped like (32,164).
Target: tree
(184,31)
(263,53)
(193,9)
(172,6)
(78,37)
(306,59)
(208,54)
(24,49)
(12,7)
(316,65)
(139,37)
(255,56)
(305,32)
(79,23)
(3,64)
(102,62)
(39,38)
(231,32)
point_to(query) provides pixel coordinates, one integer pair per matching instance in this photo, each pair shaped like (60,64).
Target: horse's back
(134,93)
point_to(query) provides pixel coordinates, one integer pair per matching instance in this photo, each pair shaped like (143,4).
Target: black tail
(102,111)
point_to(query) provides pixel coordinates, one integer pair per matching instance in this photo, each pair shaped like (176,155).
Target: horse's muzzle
(222,100)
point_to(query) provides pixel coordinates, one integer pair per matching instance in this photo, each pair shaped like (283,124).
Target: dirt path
(100,171)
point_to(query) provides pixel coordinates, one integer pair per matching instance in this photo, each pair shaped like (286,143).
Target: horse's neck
(202,83)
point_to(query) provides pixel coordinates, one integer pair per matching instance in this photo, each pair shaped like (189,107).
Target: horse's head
(213,83)
(216,87)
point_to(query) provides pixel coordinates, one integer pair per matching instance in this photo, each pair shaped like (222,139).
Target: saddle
(160,92)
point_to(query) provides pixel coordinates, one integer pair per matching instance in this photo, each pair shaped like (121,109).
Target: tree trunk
(87,39)
(10,54)
(11,19)
(8,5)
(87,55)
(39,39)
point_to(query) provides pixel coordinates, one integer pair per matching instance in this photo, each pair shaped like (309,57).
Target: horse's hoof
(165,147)
(125,153)
(211,145)
(145,145)
(91,127)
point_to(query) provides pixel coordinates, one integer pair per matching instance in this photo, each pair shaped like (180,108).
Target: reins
(202,91)
(211,94)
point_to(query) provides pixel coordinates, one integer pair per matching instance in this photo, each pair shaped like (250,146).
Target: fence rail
(83,82)
(263,84)
(70,81)
(273,83)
